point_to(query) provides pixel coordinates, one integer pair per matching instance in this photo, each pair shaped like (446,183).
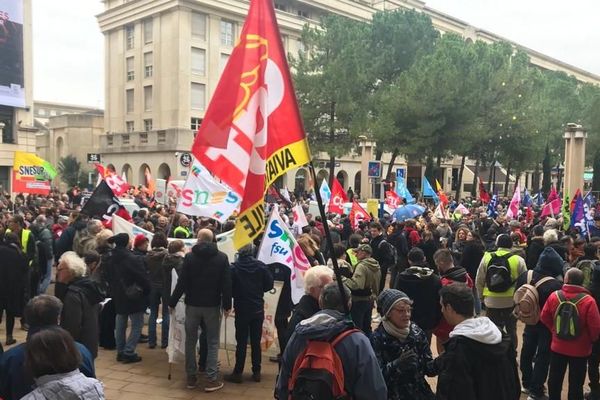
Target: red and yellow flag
(252,132)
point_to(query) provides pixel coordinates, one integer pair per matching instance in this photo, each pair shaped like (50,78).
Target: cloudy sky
(68,46)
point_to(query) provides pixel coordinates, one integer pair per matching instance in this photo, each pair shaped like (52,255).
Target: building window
(279,6)
(130,68)
(109,140)
(147,125)
(148,31)
(226,33)
(53,113)
(223,62)
(198,26)
(198,61)
(303,14)
(41,111)
(198,96)
(143,137)
(148,61)
(125,138)
(161,137)
(196,122)
(147,98)
(129,126)
(129,37)
(129,100)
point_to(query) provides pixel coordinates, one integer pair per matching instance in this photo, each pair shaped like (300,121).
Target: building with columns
(163,60)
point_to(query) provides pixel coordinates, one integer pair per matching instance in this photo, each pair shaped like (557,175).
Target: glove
(407,361)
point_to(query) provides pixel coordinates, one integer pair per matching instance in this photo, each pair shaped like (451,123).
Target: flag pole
(336,269)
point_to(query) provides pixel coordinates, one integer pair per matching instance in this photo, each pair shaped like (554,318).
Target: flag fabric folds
(299,216)
(484,196)
(402,190)
(553,195)
(441,194)
(552,208)
(117,183)
(338,198)
(103,204)
(566,212)
(527,200)
(392,199)
(513,208)
(358,214)
(31,160)
(491,210)
(428,191)
(252,131)
(31,174)
(325,192)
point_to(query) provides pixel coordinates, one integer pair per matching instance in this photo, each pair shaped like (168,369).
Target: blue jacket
(15,382)
(362,375)
(250,279)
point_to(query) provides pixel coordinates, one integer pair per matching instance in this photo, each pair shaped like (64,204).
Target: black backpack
(566,316)
(497,278)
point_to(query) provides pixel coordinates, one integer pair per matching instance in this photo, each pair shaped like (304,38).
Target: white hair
(312,277)
(74,263)
(550,236)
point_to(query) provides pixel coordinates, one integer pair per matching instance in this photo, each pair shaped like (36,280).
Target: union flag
(252,132)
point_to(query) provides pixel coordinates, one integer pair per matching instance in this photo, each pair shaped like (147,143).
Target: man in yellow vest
(495,282)
(16,225)
(183,231)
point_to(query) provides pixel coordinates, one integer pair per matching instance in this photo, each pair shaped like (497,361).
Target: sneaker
(192,382)
(213,386)
(130,359)
(234,378)
(120,357)
(256,377)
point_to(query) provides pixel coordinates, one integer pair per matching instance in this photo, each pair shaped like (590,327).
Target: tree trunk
(390,175)
(507,180)
(490,183)
(475,179)
(535,179)
(438,170)
(429,172)
(596,179)
(460,177)
(547,171)
(331,141)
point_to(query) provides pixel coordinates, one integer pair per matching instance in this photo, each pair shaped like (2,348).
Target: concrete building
(164,59)
(17,130)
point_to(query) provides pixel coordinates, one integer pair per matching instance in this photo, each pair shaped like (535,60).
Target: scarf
(398,333)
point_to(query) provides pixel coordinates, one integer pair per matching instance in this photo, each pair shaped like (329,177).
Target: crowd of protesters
(465,281)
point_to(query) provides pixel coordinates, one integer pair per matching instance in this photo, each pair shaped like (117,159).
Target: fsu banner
(252,131)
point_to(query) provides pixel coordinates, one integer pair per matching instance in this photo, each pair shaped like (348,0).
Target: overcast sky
(68,46)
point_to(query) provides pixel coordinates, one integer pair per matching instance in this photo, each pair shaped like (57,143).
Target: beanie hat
(365,247)
(119,240)
(389,298)
(140,238)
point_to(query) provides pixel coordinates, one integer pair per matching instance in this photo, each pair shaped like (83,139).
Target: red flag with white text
(392,199)
(337,199)
(358,214)
(252,132)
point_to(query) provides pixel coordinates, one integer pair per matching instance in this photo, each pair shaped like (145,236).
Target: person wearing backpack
(402,349)
(587,262)
(383,251)
(532,290)
(572,316)
(495,282)
(594,359)
(351,369)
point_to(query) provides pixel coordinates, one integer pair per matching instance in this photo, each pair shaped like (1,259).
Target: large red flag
(357,214)
(337,199)
(252,131)
(553,195)
(484,196)
(392,199)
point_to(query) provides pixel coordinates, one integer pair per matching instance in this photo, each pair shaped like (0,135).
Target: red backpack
(318,372)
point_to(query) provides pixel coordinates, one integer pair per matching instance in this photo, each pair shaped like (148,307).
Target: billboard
(12,92)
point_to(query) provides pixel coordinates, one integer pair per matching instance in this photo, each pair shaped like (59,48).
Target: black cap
(119,240)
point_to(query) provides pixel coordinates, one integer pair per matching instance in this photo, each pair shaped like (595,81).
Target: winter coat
(44,236)
(478,363)
(205,278)
(65,241)
(70,386)
(306,308)
(533,252)
(382,252)
(429,248)
(250,279)
(453,275)
(171,262)
(589,322)
(15,382)
(81,306)
(422,286)
(362,377)
(364,283)
(13,279)
(410,385)
(471,257)
(124,269)
(154,260)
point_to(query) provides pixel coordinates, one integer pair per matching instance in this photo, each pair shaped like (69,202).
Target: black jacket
(422,286)
(471,257)
(470,370)
(81,305)
(171,262)
(205,278)
(382,252)
(13,279)
(306,308)
(250,279)
(154,260)
(534,249)
(124,269)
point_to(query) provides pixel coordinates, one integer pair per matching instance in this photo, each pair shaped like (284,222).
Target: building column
(575,137)
(368,151)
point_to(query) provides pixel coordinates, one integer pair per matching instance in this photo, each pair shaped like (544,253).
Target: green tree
(71,172)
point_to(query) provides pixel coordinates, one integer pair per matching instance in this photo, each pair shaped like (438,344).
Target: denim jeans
(361,315)
(156,298)
(535,358)
(137,322)
(211,316)
(243,325)
(505,320)
(46,277)
(558,367)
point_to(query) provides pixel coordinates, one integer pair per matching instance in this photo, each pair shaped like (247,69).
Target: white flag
(325,191)
(299,216)
(203,196)
(285,194)
(279,246)
(461,209)
(439,212)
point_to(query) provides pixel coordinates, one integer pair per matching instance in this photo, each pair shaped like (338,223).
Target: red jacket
(589,319)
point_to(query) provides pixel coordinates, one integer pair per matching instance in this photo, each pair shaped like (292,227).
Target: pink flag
(299,216)
(553,195)
(552,208)
(513,208)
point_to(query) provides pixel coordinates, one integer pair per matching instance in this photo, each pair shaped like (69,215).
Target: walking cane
(225,339)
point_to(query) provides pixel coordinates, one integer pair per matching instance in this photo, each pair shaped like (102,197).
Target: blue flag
(429,192)
(402,190)
(491,210)
(526,201)
(540,199)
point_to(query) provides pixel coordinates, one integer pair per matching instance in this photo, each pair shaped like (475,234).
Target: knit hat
(119,240)
(140,238)
(389,298)
(551,223)
(365,247)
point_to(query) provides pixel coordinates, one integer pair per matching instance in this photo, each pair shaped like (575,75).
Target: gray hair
(40,220)
(551,235)
(43,310)
(94,226)
(74,263)
(331,297)
(312,277)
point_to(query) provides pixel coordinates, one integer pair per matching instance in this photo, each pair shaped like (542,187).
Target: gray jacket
(70,386)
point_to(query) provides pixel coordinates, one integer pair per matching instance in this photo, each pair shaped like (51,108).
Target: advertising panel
(12,92)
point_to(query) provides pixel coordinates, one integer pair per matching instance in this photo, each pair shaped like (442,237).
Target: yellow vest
(513,264)
(352,257)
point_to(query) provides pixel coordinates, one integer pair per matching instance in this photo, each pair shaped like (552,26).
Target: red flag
(574,201)
(252,131)
(552,196)
(338,198)
(529,215)
(552,208)
(118,185)
(103,204)
(484,196)
(101,170)
(358,214)
(392,199)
